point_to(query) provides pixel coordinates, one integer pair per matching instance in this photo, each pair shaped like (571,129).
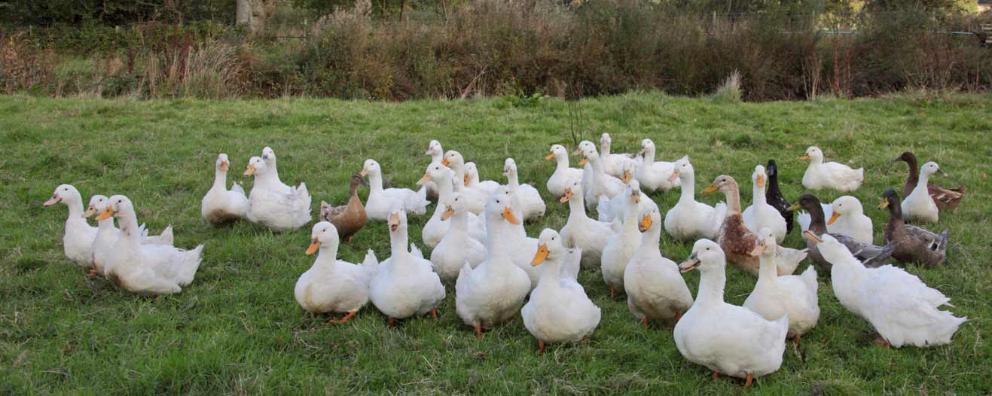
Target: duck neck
(75,208)
(687,182)
(817,224)
(630,221)
(353,189)
(327,256)
(512,181)
(550,273)
(459,222)
(129,225)
(652,238)
(923,180)
(895,214)
(562,162)
(648,155)
(459,174)
(220,179)
(604,148)
(767,270)
(577,206)
(105,225)
(437,156)
(914,169)
(444,187)
(733,195)
(816,160)
(499,231)
(758,196)
(375,181)
(399,243)
(711,284)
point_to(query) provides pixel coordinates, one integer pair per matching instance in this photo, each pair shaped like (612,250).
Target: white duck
(381,202)
(146,268)
(404,285)
(437,226)
(847,217)
(654,175)
(600,184)
(831,175)
(903,309)
(690,219)
(221,205)
(727,339)
(563,176)
(457,247)
(760,214)
(493,292)
(524,247)
(531,203)
(107,235)
(612,209)
(620,246)
(919,205)
(77,241)
(436,152)
(582,232)
(559,309)
(655,288)
(615,164)
(332,285)
(776,295)
(472,179)
(475,197)
(274,204)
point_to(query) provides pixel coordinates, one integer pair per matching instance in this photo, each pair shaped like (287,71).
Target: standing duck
(78,237)
(332,285)
(600,184)
(475,196)
(752,349)
(472,179)
(831,175)
(221,205)
(775,198)
(944,198)
(919,205)
(493,292)
(404,285)
(690,219)
(582,232)
(381,202)
(563,175)
(654,175)
(903,309)
(760,214)
(457,246)
(871,255)
(655,289)
(349,218)
(271,202)
(912,243)
(436,152)
(107,235)
(558,309)
(621,245)
(615,164)
(531,203)
(738,242)
(437,226)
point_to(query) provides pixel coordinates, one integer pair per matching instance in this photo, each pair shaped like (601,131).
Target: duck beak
(394,222)
(689,264)
(811,236)
(760,181)
(541,255)
(884,204)
(758,250)
(107,213)
(833,218)
(250,170)
(794,207)
(224,165)
(424,179)
(90,211)
(566,196)
(804,157)
(52,201)
(583,162)
(673,177)
(448,212)
(550,156)
(445,162)
(363,172)
(626,177)
(509,216)
(710,188)
(314,245)
(646,223)
(466,180)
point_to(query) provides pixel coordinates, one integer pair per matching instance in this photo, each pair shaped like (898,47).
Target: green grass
(238,329)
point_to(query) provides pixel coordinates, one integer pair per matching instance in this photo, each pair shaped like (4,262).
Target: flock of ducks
(478,242)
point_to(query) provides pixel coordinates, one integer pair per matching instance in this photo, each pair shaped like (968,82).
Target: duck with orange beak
(457,246)
(830,175)
(405,284)
(621,245)
(583,232)
(600,184)
(655,289)
(382,201)
(333,286)
(78,237)
(493,292)
(531,204)
(221,205)
(559,310)
(563,175)
(271,202)
(654,175)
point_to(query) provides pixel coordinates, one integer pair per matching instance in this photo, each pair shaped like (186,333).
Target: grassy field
(237,329)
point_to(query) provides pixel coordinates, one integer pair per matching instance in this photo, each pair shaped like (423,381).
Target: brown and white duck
(347,218)
(911,243)
(945,198)
(869,254)
(738,242)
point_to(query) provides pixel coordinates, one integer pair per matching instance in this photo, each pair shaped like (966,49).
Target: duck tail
(370,264)
(167,237)
(417,203)
(415,251)
(237,189)
(603,209)
(303,201)
(188,264)
(941,242)
(809,277)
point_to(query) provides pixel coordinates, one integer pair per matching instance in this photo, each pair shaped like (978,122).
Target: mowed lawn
(237,328)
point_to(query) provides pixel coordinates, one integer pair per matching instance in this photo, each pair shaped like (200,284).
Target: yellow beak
(363,172)
(760,181)
(710,188)
(105,214)
(583,162)
(448,212)
(313,247)
(541,255)
(804,157)
(550,156)
(566,196)
(833,218)
(250,170)
(646,223)
(794,207)
(884,204)
(509,216)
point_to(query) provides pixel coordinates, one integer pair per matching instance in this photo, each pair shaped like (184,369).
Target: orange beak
(445,162)
(541,255)
(710,188)
(424,179)
(466,180)
(394,222)
(626,177)
(105,214)
(760,181)
(758,249)
(550,156)
(646,223)
(583,162)
(224,165)
(250,170)
(313,247)
(833,218)
(52,201)
(566,196)
(509,216)
(448,212)
(804,157)
(673,177)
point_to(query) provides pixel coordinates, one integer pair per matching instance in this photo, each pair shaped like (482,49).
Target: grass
(237,329)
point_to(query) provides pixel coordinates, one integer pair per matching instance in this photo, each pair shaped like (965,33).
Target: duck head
(906,156)
(323,234)
(759,177)
(556,151)
(370,167)
(890,200)
(845,206)
(434,148)
(509,168)
(722,183)
(116,206)
(435,172)
(397,221)
(706,255)
(97,204)
(471,173)
(549,247)
(813,153)
(650,219)
(584,145)
(605,141)
(930,168)
(222,163)
(256,166)
(574,190)
(269,156)
(682,167)
(65,193)
(453,159)
(500,204)
(589,154)
(647,145)
(455,205)
(766,243)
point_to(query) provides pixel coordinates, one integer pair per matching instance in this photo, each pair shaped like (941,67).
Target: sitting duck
(654,175)
(457,246)
(221,205)
(655,289)
(582,232)
(472,179)
(755,346)
(404,284)
(349,218)
(912,243)
(871,255)
(690,219)
(78,237)
(531,203)
(615,164)
(332,285)
(919,205)
(945,198)
(107,235)
(830,175)
(273,203)
(563,175)
(847,217)
(738,242)
(903,309)
(437,226)
(381,202)
(558,309)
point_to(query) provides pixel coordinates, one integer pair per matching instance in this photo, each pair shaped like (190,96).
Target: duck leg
(678,315)
(644,321)
(391,322)
(344,319)
(434,312)
(613,293)
(540,346)
(716,375)
(882,341)
(478,330)
(748,380)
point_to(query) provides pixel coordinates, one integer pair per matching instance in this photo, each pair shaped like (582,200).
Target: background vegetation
(408,49)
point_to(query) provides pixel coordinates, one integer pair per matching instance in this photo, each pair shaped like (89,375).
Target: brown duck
(945,198)
(912,243)
(870,255)
(349,218)
(738,242)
